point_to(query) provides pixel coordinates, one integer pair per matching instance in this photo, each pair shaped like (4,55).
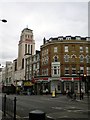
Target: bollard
(36,115)
(53,94)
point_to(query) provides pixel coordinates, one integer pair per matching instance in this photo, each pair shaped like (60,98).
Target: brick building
(61,59)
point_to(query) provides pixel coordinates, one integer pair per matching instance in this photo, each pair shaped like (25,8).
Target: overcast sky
(46,19)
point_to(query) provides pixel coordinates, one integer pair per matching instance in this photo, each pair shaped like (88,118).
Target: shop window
(75,86)
(59,88)
(67,85)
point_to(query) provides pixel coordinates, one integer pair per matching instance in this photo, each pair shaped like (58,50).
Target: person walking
(67,92)
(46,91)
(82,93)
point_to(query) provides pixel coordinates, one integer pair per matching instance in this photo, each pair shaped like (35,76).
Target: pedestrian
(46,91)
(82,93)
(67,92)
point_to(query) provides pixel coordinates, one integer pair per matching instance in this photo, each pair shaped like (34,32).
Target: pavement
(0,114)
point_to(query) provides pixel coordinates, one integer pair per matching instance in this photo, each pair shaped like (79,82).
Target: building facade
(14,72)
(62,58)
(55,67)
(26,45)
(32,70)
(8,74)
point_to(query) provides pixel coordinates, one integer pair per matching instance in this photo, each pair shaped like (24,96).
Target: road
(58,107)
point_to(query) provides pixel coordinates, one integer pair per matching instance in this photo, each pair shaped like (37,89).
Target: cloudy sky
(46,19)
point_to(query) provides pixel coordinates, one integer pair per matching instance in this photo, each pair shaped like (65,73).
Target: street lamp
(62,82)
(79,84)
(3,20)
(72,85)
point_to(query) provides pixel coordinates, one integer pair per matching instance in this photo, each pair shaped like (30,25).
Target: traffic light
(84,78)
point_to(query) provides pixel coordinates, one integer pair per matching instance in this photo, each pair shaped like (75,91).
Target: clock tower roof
(26,29)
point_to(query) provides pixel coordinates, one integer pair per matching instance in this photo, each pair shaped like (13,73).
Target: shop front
(42,84)
(72,84)
(60,85)
(28,87)
(19,84)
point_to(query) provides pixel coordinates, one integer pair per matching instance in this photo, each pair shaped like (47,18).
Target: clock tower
(26,46)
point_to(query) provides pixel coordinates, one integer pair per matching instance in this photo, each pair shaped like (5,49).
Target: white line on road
(59,108)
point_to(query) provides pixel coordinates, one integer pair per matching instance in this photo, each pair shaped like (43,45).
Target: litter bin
(36,115)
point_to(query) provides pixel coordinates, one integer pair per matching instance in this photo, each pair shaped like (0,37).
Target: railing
(9,111)
(9,108)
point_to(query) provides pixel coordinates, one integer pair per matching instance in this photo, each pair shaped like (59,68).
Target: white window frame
(60,38)
(66,48)
(66,58)
(87,49)
(88,70)
(68,38)
(55,49)
(81,58)
(66,69)
(81,49)
(82,70)
(87,59)
(78,38)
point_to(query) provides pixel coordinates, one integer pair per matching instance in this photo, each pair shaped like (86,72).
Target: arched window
(66,58)
(73,59)
(81,58)
(55,59)
(87,59)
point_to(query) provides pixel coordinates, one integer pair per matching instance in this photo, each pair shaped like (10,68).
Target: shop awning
(27,83)
(69,79)
(44,80)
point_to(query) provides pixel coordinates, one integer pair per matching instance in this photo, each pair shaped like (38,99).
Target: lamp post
(72,85)
(79,84)
(3,20)
(62,81)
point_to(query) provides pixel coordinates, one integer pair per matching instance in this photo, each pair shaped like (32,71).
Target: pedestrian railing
(9,107)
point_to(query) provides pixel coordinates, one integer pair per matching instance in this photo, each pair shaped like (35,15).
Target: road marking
(48,116)
(64,116)
(69,110)
(58,108)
